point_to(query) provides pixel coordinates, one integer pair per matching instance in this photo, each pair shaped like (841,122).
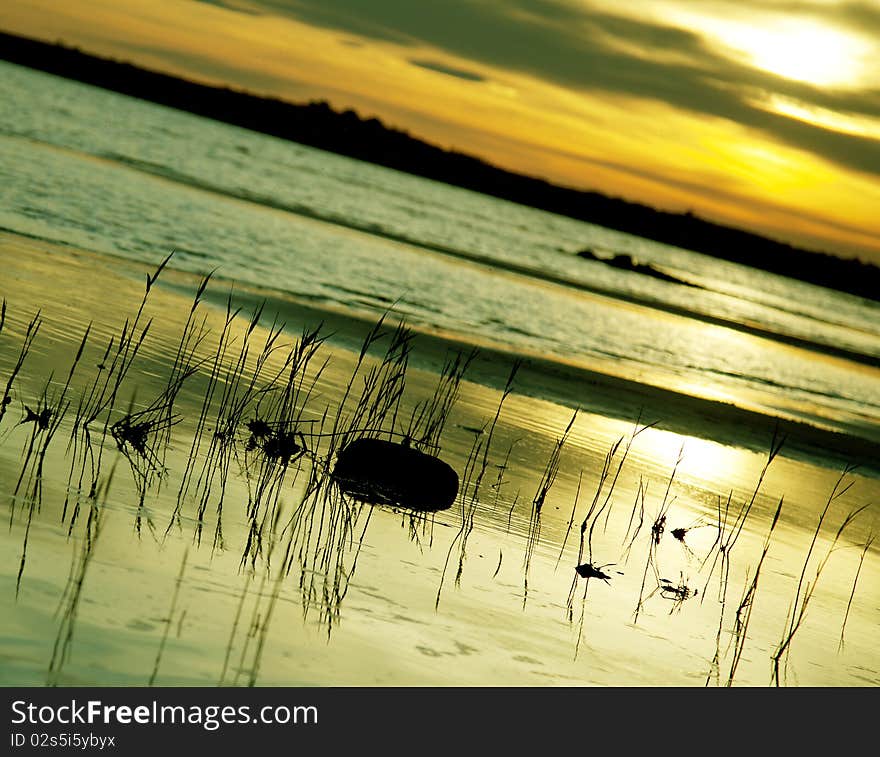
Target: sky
(762,114)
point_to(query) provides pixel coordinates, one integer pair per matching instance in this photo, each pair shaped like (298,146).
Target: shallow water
(116,571)
(373,596)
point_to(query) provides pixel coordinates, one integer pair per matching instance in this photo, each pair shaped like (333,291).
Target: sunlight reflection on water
(375,597)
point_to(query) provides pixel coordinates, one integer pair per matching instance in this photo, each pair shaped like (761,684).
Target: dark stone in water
(389,473)
(628,263)
(588,254)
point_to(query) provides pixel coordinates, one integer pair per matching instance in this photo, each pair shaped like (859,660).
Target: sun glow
(799,50)
(846,123)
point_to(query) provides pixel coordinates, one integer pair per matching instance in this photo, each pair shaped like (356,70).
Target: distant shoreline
(316,124)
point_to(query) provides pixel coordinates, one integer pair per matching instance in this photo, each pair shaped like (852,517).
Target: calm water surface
(97,188)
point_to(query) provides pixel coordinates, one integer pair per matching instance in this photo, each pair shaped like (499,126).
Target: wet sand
(477,595)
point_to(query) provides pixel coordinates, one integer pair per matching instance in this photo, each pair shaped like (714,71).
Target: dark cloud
(231,6)
(589,50)
(859,16)
(440,68)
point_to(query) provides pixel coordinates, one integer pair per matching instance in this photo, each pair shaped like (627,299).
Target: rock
(390,473)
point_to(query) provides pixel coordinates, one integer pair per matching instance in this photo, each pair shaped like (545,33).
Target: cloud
(440,68)
(858,16)
(232,6)
(589,50)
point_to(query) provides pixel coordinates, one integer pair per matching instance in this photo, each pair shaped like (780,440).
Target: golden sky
(764,114)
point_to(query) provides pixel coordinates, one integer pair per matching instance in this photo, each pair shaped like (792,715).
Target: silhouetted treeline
(318,125)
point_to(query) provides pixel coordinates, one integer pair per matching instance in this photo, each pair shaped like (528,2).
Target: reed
(45,422)
(868,542)
(469,491)
(213,379)
(585,567)
(242,387)
(428,418)
(584,542)
(658,527)
(143,436)
(722,548)
(746,604)
(716,549)
(568,527)
(98,405)
(633,527)
(277,441)
(548,479)
(475,483)
(27,343)
(467,499)
(804,591)
(726,540)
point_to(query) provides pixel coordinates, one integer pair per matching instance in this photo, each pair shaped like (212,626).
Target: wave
(493,263)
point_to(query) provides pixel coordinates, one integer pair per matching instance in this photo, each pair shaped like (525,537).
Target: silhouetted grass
(472,479)
(804,592)
(475,483)
(657,529)
(584,542)
(276,438)
(428,418)
(585,567)
(143,436)
(574,504)
(242,387)
(746,605)
(45,421)
(632,533)
(213,379)
(726,540)
(97,406)
(724,543)
(548,478)
(868,542)
(30,335)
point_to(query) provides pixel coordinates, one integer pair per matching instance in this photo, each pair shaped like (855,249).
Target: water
(103,172)
(96,188)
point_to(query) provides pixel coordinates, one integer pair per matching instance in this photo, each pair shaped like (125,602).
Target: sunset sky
(761,114)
